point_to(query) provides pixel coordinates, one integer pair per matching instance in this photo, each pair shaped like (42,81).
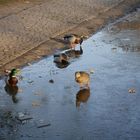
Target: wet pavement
(49,104)
(29,28)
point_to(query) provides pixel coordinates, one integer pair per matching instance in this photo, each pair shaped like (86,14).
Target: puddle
(50,93)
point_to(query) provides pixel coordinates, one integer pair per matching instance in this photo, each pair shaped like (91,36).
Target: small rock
(51,81)
(20,114)
(35,103)
(29,64)
(91,71)
(27,2)
(114,48)
(131,90)
(20,90)
(30,81)
(44,125)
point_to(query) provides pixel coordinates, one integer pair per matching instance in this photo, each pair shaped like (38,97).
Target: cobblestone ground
(26,25)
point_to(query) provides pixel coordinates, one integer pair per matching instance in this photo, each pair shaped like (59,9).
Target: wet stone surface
(61,110)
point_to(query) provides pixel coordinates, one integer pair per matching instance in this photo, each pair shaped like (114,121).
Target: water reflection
(74,53)
(62,65)
(82,96)
(12,91)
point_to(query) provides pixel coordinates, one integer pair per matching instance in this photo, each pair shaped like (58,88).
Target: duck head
(13,80)
(82,78)
(14,72)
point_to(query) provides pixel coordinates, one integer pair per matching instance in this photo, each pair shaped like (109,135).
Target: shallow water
(107,111)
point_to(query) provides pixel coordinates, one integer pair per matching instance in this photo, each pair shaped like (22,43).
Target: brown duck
(61,60)
(73,40)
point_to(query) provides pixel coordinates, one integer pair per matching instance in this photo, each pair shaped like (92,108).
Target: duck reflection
(62,65)
(74,53)
(82,96)
(12,91)
(62,59)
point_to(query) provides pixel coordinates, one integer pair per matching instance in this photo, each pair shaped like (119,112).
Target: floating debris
(25,118)
(37,94)
(44,125)
(51,81)
(114,49)
(29,64)
(131,90)
(67,87)
(35,103)
(30,81)
(20,114)
(91,71)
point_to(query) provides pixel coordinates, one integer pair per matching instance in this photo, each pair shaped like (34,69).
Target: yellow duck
(82,78)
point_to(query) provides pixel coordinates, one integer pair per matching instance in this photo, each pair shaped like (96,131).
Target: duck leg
(72,45)
(87,85)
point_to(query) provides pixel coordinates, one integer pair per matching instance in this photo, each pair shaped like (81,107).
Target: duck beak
(18,71)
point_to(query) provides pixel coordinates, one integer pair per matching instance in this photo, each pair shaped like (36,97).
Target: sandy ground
(30,30)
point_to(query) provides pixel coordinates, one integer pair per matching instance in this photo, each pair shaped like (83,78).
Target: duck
(82,96)
(74,53)
(82,78)
(73,40)
(12,79)
(61,60)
